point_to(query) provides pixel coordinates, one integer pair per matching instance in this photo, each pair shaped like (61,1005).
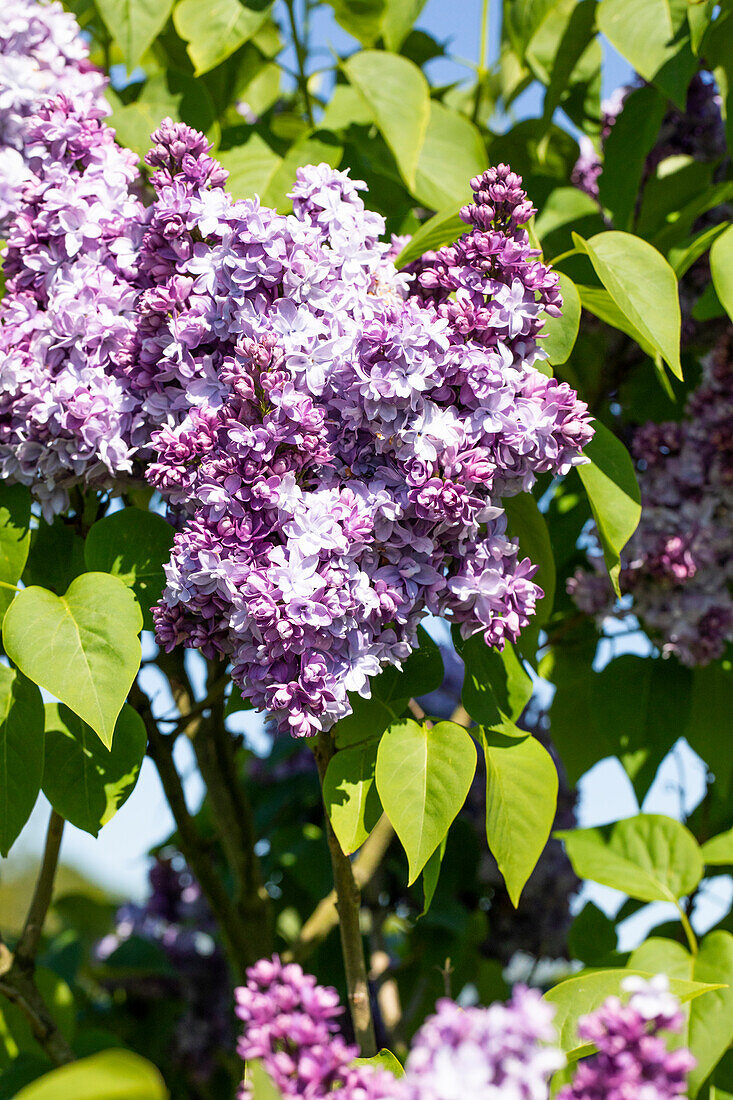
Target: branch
(324,917)
(17,968)
(193,846)
(348,905)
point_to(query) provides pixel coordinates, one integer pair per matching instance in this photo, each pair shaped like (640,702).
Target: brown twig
(17,968)
(192,844)
(325,917)
(348,905)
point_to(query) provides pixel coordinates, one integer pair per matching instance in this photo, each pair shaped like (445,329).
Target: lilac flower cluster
(177,919)
(42,54)
(678,565)
(632,1062)
(290,1027)
(339,446)
(502,1050)
(505,1050)
(68,415)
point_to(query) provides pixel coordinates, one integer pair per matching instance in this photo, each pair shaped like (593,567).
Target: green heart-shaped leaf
(83,647)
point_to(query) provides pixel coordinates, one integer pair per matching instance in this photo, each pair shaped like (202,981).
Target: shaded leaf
(21,753)
(133,545)
(613,491)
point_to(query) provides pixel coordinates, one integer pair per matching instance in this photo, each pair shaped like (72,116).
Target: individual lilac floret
(483,1053)
(290,1027)
(42,54)
(339,446)
(68,415)
(678,567)
(633,1062)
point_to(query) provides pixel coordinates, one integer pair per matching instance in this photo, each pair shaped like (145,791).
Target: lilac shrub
(678,566)
(338,445)
(68,415)
(42,54)
(633,1062)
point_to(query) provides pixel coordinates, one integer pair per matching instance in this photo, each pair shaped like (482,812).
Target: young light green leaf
(423,775)
(643,286)
(134,546)
(560,333)
(521,799)
(313,148)
(586,992)
(361,18)
(134,24)
(444,227)
(613,491)
(21,753)
(350,794)
(654,37)
(83,647)
(215,30)
(383,1059)
(398,95)
(495,685)
(262,1085)
(721,268)
(718,851)
(650,857)
(15,537)
(452,154)
(85,782)
(109,1075)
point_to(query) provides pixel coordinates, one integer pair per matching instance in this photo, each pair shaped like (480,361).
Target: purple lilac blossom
(504,1050)
(68,415)
(42,54)
(339,444)
(291,1028)
(632,1062)
(678,567)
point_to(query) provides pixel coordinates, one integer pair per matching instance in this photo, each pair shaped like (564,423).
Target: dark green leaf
(625,151)
(56,557)
(560,333)
(15,538)
(442,228)
(85,782)
(495,685)
(134,546)
(526,523)
(421,673)
(21,753)
(613,492)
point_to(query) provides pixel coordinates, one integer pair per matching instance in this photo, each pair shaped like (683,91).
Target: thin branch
(324,917)
(348,904)
(301,55)
(17,968)
(193,846)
